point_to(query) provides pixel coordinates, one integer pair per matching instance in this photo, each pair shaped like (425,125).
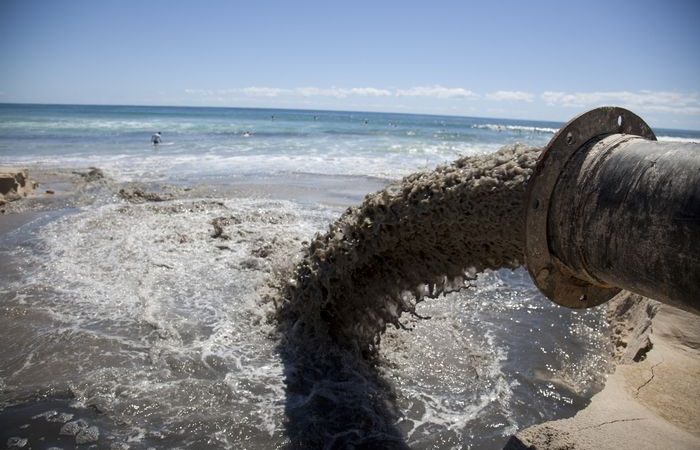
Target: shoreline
(651,399)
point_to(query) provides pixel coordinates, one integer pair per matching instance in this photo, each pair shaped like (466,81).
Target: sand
(648,403)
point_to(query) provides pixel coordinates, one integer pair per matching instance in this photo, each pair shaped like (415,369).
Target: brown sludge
(429,234)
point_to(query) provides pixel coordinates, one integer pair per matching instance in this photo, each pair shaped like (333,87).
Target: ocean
(146,322)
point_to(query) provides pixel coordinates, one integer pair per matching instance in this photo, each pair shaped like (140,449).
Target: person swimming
(156,138)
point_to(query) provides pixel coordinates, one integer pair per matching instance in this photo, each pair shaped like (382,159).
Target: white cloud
(341,92)
(435,91)
(257,91)
(648,101)
(372,92)
(645,101)
(261,91)
(517,96)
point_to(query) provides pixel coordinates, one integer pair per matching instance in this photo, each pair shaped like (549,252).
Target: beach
(651,398)
(139,293)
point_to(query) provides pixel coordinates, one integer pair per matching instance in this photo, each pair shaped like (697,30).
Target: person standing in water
(155,139)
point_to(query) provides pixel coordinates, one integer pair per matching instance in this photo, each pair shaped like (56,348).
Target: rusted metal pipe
(610,208)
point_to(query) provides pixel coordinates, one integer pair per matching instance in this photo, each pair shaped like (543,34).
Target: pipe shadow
(335,398)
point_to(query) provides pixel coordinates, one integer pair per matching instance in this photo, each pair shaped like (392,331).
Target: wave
(518,128)
(547,130)
(89,128)
(678,139)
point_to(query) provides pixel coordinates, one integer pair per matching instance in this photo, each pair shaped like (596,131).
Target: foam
(425,236)
(145,337)
(519,128)
(179,161)
(678,139)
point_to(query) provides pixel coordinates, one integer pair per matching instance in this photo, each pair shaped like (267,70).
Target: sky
(539,60)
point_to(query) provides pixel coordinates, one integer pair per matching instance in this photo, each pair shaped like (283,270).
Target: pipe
(610,208)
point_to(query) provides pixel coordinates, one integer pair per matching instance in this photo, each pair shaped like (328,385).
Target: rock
(88,436)
(50,192)
(630,318)
(74,427)
(14,185)
(17,442)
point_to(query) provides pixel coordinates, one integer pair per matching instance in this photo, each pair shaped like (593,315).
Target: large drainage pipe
(609,208)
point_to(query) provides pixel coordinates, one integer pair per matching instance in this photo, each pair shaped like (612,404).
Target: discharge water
(426,236)
(212,317)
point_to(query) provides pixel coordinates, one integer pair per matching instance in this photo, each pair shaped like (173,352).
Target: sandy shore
(652,399)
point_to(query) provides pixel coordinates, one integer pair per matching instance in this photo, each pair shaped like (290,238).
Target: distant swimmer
(247,134)
(156,139)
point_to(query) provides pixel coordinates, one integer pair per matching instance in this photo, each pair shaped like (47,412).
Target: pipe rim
(549,274)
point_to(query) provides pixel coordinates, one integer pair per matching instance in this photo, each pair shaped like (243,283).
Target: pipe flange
(550,275)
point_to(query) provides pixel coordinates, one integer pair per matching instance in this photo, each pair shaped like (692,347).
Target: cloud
(648,101)
(341,92)
(517,96)
(261,91)
(645,101)
(257,91)
(435,91)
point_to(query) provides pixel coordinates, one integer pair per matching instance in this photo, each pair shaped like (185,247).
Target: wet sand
(651,401)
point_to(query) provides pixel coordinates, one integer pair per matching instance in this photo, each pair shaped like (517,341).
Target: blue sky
(534,60)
